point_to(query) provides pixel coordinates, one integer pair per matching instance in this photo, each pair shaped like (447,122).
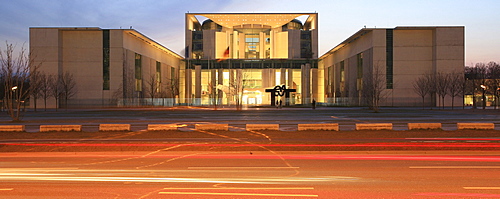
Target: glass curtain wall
(253,76)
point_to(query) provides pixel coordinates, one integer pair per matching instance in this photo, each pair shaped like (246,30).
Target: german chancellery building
(242,58)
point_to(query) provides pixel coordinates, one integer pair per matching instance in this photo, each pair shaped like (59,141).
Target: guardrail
(251,127)
(114,127)
(11,128)
(373,126)
(424,126)
(214,127)
(50,128)
(260,127)
(162,127)
(475,126)
(319,127)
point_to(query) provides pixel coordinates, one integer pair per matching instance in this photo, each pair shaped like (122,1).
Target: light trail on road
(240,174)
(238,194)
(264,156)
(422,145)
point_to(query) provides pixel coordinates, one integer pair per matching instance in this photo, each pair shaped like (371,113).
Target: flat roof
(274,20)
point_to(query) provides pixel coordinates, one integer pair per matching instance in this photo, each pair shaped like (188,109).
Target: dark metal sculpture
(280,91)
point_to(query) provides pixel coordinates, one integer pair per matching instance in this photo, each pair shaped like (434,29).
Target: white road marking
(239,194)
(59,177)
(483,188)
(245,188)
(232,168)
(454,167)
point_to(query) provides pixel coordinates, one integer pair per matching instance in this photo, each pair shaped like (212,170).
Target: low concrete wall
(162,127)
(374,126)
(213,127)
(424,126)
(11,128)
(256,127)
(114,127)
(325,126)
(57,128)
(476,126)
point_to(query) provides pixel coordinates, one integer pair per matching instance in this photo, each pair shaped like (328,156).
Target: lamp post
(13,98)
(484,96)
(497,91)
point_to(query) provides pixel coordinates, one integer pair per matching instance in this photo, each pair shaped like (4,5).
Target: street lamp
(484,96)
(12,97)
(497,91)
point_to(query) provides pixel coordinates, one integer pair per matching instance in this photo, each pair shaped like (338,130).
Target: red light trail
(422,145)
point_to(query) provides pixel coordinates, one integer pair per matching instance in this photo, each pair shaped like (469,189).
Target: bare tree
(422,86)
(153,87)
(213,93)
(493,83)
(477,74)
(67,86)
(15,73)
(45,88)
(35,84)
(455,86)
(55,89)
(236,87)
(442,84)
(374,85)
(172,87)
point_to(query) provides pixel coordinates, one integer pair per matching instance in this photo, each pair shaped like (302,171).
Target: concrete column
(213,87)
(239,85)
(283,76)
(189,86)
(291,98)
(268,81)
(265,78)
(290,78)
(272,77)
(315,84)
(231,85)
(220,82)
(306,85)
(236,46)
(262,45)
(197,84)
(271,37)
(242,45)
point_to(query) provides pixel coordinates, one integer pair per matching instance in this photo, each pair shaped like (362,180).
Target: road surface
(242,174)
(240,164)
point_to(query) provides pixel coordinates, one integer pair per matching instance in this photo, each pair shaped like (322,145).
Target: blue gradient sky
(163,20)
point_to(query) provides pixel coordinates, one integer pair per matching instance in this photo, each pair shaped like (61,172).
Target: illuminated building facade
(233,57)
(108,66)
(397,56)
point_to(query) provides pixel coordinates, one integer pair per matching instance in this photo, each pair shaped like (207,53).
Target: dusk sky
(163,20)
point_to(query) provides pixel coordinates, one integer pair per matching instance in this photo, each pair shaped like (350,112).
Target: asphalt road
(264,174)
(238,164)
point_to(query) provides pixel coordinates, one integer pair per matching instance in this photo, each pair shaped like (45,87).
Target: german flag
(225,55)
